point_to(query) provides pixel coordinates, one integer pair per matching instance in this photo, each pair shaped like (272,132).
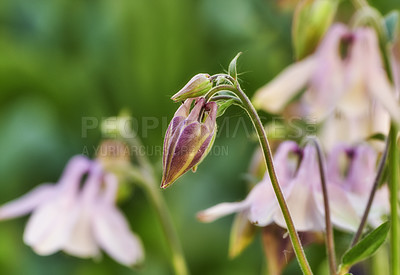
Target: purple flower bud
(198,86)
(189,137)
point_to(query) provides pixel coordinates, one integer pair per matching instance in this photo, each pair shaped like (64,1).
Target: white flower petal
(341,209)
(27,202)
(112,233)
(300,197)
(326,86)
(303,209)
(263,203)
(82,242)
(276,94)
(220,210)
(50,226)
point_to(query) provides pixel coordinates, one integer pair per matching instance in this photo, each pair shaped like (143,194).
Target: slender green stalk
(171,236)
(297,247)
(378,176)
(394,188)
(330,244)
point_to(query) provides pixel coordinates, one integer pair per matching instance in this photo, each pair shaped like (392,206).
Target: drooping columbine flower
(77,220)
(300,183)
(189,137)
(198,86)
(349,90)
(351,172)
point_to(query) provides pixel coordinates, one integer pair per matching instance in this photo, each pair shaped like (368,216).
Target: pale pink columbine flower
(300,183)
(352,172)
(77,220)
(351,92)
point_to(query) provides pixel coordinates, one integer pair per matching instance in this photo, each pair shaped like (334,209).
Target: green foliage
(391,23)
(366,247)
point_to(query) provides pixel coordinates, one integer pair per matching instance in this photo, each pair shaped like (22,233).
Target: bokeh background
(64,60)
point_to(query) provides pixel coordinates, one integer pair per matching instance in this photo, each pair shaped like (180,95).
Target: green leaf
(391,25)
(223,105)
(232,70)
(367,246)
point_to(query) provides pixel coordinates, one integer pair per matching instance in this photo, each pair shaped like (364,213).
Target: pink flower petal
(276,94)
(27,202)
(50,226)
(111,230)
(112,233)
(220,210)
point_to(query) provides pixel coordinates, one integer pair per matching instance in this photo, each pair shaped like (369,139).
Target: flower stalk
(381,168)
(330,244)
(394,187)
(247,105)
(171,236)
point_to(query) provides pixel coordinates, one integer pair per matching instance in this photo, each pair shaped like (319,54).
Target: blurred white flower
(352,172)
(301,186)
(300,183)
(346,86)
(78,220)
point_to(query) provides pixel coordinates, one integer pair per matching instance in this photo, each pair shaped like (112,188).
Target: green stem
(171,236)
(381,168)
(297,247)
(330,244)
(393,185)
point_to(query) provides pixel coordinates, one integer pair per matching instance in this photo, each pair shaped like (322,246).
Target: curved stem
(394,188)
(297,247)
(217,89)
(226,97)
(330,244)
(378,176)
(171,236)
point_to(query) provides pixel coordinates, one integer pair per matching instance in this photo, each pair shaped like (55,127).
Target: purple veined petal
(210,121)
(222,209)
(343,215)
(195,113)
(112,233)
(28,202)
(184,109)
(326,86)
(172,128)
(189,141)
(51,224)
(277,93)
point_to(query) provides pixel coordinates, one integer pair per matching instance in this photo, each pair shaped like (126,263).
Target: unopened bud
(311,21)
(188,139)
(198,86)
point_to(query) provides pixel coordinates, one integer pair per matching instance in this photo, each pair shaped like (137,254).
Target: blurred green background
(63,60)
